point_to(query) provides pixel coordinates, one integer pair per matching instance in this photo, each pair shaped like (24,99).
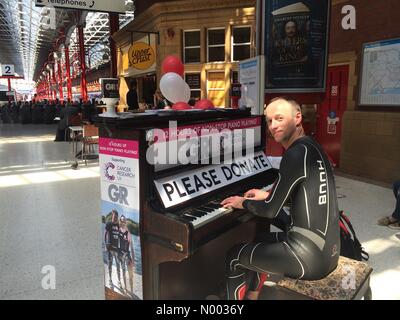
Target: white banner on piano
(177,189)
(245,133)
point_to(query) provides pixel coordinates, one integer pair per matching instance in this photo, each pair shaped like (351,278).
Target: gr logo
(118,194)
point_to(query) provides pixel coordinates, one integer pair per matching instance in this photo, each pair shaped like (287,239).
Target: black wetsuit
(113,249)
(124,245)
(309,248)
(113,236)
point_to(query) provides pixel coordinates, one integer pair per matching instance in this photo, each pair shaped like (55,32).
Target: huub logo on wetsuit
(322,183)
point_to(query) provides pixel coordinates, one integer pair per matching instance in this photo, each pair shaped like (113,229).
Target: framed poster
(295,35)
(380,74)
(251,78)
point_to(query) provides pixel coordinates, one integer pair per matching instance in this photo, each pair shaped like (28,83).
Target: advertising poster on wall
(296,45)
(119,171)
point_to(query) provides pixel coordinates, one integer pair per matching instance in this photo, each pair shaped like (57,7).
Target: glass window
(241,41)
(216,44)
(191,46)
(193,80)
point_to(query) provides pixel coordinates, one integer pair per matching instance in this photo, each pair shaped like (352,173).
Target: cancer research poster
(119,172)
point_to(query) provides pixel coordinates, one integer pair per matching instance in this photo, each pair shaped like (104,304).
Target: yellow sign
(141,55)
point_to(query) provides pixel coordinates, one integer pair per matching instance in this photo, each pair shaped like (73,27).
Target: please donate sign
(178,189)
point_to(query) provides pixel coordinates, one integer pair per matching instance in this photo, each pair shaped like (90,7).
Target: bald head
(286,102)
(284,120)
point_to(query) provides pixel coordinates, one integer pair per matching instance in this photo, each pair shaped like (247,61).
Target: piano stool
(332,287)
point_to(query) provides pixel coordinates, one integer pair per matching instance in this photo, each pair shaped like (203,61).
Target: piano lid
(176,189)
(157,118)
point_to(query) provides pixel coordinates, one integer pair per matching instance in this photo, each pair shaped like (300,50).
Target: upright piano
(183,230)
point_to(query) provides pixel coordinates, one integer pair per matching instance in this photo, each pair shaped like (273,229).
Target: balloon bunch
(175,89)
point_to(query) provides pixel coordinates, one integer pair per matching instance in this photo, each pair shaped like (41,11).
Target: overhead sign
(118,6)
(191,184)
(109,88)
(141,55)
(7,70)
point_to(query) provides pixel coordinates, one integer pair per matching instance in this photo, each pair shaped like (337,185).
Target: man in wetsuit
(126,258)
(111,239)
(309,248)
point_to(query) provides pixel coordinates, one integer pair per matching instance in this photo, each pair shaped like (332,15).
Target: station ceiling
(28,34)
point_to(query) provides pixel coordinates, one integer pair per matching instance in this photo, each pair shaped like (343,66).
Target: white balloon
(173,88)
(186,92)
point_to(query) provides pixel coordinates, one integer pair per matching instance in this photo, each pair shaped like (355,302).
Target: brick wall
(370,138)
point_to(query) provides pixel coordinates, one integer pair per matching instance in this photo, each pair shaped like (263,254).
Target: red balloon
(172,64)
(204,104)
(181,106)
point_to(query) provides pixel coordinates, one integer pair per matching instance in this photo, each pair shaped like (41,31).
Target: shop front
(137,64)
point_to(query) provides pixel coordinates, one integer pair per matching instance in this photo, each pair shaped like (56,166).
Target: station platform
(49,216)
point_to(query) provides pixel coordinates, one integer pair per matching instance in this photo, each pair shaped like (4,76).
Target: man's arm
(293,170)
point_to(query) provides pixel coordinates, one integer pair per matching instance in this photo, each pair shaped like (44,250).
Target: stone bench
(349,281)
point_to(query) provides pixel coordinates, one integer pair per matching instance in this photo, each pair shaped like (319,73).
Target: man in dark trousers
(131,97)
(112,242)
(309,247)
(393,221)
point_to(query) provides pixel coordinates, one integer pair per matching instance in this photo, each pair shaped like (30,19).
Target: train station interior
(94,101)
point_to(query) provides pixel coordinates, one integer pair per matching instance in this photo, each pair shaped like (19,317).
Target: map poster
(380,79)
(296,45)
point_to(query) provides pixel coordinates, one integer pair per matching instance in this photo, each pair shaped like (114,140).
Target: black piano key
(208,208)
(213,205)
(204,210)
(190,218)
(186,218)
(196,213)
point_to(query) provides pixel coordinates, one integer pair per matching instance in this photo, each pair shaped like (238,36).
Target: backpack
(350,247)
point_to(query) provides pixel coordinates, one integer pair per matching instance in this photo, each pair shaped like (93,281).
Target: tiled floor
(49,216)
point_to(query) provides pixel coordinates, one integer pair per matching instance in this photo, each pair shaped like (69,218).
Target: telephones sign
(7,70)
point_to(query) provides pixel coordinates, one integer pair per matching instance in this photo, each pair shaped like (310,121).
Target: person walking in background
(159,101)
(132,97)
(393,221)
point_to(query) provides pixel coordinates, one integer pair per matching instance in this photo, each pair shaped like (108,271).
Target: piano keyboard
(209,211)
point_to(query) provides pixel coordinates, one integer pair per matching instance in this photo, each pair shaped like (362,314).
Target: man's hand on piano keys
(233,202)
(256,194)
